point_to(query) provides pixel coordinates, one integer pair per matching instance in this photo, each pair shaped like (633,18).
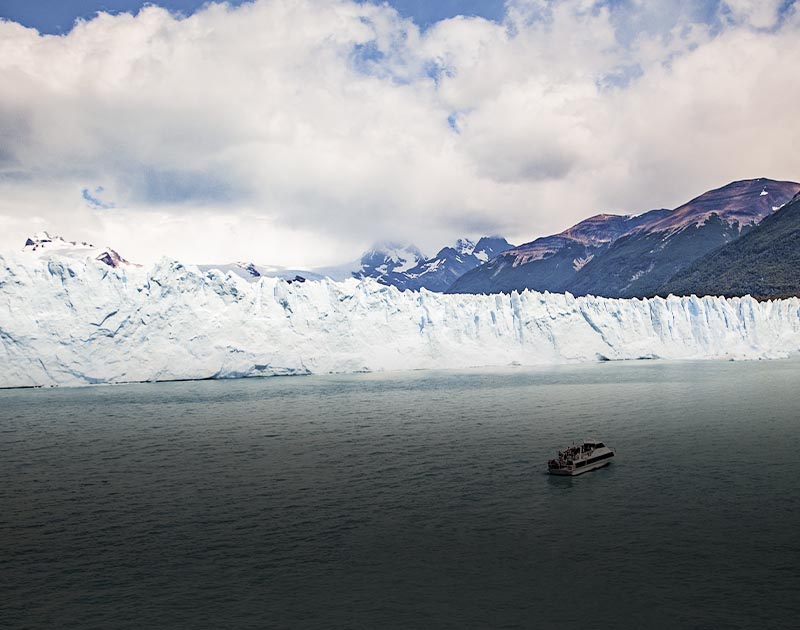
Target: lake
(406,500)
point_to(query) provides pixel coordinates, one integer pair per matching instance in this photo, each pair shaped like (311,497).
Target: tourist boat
(575,460)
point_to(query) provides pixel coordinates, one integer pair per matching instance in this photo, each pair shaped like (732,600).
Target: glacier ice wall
(69,322)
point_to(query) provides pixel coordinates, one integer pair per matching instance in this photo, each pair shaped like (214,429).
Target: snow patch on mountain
(580,263)
(251,271)
(67,321)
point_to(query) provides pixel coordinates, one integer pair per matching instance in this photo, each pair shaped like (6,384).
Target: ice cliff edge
(70,322)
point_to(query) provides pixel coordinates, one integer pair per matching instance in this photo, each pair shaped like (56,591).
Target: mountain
(621,256)
(550,263)
(639,263)
(387,262)
(405,267)
(450,263)
(764,263)
(72,322)
(43,245)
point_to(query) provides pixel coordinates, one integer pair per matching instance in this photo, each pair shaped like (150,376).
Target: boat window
(599,445)
(599,457)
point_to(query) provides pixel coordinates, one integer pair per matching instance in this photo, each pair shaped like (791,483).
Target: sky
(57,17)
(299,132)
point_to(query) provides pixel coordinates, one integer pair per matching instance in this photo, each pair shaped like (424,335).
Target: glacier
(66,321)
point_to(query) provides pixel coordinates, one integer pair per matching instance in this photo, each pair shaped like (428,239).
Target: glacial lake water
(406,500)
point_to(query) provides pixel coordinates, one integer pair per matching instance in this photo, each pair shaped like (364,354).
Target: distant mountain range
(400,265)
(622,256)
(550,263)
(739,239)
(449,264)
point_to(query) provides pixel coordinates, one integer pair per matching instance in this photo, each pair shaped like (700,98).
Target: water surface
(406,500)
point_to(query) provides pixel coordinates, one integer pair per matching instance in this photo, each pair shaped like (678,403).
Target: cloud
(297,132)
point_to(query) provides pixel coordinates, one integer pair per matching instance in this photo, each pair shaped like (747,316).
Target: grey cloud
(175,186)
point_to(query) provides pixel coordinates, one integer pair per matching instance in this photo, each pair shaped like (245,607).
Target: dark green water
(412,500)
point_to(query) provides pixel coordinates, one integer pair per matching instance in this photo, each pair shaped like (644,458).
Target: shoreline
(473,369)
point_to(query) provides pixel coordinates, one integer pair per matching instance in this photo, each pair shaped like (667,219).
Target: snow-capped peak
(387,258)
(43,240)
(43,244)
(465,246)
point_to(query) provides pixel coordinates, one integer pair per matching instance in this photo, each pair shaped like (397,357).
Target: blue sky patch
(58,16)
(365,56)
(452,121)
(93,199)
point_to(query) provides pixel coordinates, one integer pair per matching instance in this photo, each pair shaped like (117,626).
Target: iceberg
(66,321)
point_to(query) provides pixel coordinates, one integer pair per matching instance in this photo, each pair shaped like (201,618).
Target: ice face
(69,322)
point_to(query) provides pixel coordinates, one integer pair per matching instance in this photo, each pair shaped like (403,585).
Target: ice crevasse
(70,322)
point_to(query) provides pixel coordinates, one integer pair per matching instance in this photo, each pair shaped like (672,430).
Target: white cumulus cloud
(298,131)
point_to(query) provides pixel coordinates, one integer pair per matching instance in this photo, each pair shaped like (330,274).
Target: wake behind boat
(575,460)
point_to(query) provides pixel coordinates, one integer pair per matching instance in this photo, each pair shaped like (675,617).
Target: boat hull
(565,472)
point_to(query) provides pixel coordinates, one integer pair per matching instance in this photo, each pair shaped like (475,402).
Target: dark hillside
(764,263)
